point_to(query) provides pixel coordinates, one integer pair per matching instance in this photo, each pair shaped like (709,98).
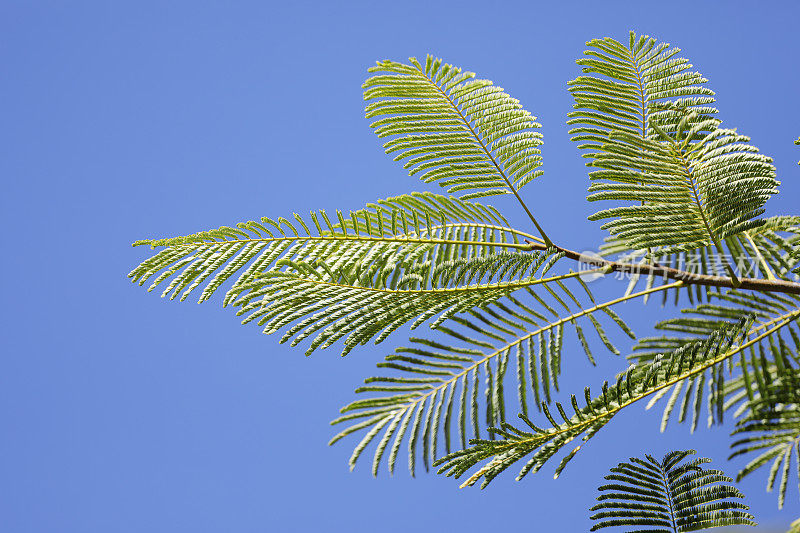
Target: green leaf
(672,495)
(771,430)
(466,134)
(683,181)
(636,384)
(314,299)
(727,392)
(395,260)
(514,337)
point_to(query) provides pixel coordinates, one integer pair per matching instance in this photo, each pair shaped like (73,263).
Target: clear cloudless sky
(123,412)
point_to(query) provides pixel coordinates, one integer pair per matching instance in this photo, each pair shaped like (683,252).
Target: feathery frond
(637,383)
(645,117)
(753,367)
(672,495)
(685,188)
(361,276)
(466,134)
(772,430)
(436,383)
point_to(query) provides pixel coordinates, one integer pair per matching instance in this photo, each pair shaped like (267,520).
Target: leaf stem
(401,238)
(764,264)
(668,491)
(501,286)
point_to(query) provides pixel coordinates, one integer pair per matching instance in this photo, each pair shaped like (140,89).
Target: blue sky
(123,412)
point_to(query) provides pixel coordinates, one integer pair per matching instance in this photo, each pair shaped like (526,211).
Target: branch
(689,278)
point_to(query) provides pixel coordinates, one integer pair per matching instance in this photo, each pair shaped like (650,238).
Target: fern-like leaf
(637,383)
(672,495)
(437,387)
(772,430)
(645,117)
(717,389)
(360,276)
(466,134)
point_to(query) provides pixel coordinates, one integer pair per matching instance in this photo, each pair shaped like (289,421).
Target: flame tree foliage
(669,495)
(682,198)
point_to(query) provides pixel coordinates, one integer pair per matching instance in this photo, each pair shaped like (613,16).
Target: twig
(688,278)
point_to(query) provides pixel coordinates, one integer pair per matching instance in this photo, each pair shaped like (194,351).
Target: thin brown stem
(689,278)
